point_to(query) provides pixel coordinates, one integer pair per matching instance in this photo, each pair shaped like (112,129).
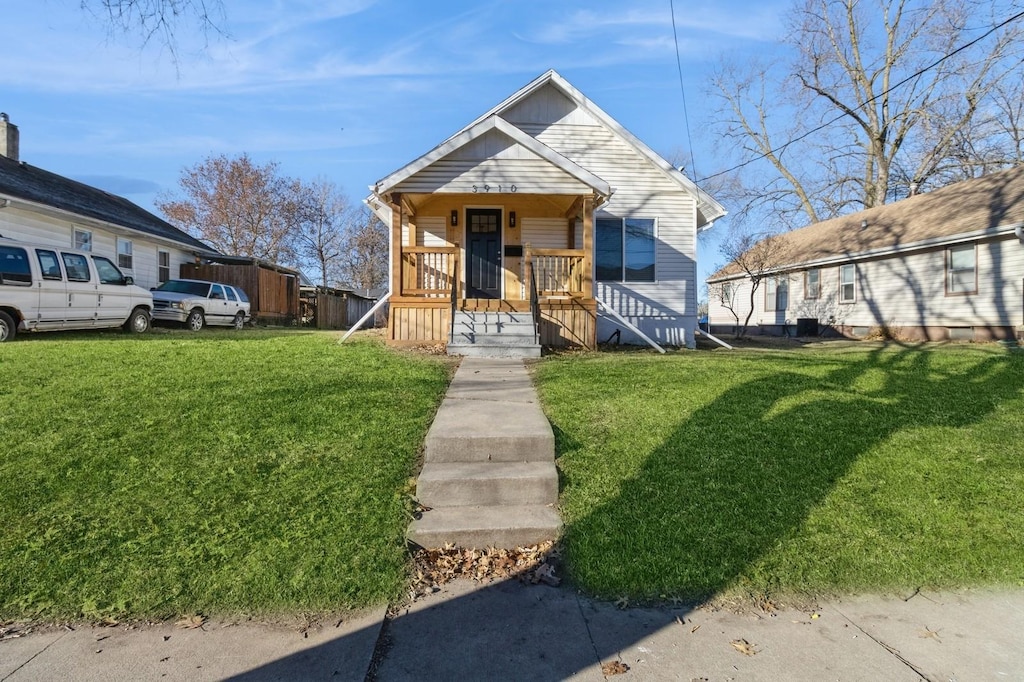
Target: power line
(682,87)
(840,117)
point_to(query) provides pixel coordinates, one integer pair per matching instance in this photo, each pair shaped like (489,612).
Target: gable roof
(477,130)
(706,204)
(19,180)
(987,206)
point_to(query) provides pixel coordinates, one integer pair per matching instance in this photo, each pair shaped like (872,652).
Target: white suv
(198,303)
(44,288)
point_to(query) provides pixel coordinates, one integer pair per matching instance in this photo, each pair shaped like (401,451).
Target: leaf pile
(435,567)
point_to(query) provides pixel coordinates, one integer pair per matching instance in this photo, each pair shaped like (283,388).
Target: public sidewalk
(508,631)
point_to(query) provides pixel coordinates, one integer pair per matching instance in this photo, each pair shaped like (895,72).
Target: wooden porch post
(588,247)
(396,245)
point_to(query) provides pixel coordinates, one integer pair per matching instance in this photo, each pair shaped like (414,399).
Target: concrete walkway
(489,476)
(509,631)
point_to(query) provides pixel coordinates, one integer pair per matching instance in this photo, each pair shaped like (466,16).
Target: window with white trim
(812,283)
(625,249)
(83,240)
(124,254)
(163,270)
(962,269)
(848,283)
(776,294)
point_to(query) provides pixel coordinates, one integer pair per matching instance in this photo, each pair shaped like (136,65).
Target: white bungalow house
(547,209)
(45,208)
(948,264)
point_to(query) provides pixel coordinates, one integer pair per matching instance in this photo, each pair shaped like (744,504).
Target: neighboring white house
(548,179)
(948,264)
(45,208)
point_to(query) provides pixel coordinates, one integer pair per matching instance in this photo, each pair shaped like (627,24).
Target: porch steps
(497,334)
(489,477)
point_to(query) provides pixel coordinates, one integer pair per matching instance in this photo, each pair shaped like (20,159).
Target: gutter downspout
(1019,232)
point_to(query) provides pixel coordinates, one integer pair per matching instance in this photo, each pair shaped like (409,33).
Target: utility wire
(840,117)
(682,87)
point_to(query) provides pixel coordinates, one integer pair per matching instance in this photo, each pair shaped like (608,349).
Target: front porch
(511,253)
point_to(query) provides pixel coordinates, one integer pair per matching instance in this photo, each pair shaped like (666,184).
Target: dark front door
(483,252)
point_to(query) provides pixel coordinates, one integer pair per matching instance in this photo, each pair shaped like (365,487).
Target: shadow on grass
(741,474)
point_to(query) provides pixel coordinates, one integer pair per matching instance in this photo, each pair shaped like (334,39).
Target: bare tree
(757,258)
(320,237)
(159,20)
(872,88)
(366,261)
(236,206)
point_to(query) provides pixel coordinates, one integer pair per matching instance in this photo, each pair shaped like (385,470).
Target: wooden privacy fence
(273,295)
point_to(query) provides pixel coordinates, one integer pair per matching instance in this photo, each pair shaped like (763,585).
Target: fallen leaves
(435,567)
(191,622)
(614,668)
(743,646)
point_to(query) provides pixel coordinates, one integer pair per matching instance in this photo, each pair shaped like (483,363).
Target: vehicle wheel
(138,322)
(239,320)
(8,329)
(195,320)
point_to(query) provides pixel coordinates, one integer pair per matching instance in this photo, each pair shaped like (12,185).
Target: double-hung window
(625,249)
(848,283)
(812,284)
(962,269)
(83,240)
(163,266)
(776,294)
(124,254)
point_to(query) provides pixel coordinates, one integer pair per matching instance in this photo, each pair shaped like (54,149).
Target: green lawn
(223,472)
(790,473)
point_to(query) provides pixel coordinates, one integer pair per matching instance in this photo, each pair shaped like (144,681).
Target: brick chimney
(8,138)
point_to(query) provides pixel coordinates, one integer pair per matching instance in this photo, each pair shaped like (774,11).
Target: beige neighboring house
(41,207)
(947,265)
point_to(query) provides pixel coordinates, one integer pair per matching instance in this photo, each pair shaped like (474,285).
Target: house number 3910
(477,189)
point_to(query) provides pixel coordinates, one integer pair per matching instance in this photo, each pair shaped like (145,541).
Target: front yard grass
(792,474)
(255,472)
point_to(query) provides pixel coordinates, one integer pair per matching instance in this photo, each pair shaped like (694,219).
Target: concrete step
(526,338)
(482,431)
(492,350)
(505,527)
(474,484)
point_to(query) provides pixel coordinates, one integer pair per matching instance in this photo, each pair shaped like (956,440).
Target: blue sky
(351,90)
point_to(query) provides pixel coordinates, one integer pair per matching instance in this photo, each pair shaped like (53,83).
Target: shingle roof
(22,181)
(992,201)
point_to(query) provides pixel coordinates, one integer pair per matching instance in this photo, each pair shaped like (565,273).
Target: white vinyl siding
(28,226)
(545,233)
(911,291)
(666,309)
(431,231)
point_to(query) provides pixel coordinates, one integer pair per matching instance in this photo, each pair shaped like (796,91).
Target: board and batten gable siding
(904,291)
(496,160)
(665,309)
(36,228)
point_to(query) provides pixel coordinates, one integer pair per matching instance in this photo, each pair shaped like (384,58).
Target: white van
(43,288)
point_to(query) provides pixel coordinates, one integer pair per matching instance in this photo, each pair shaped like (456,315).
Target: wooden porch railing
(430,271)
(554,272)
